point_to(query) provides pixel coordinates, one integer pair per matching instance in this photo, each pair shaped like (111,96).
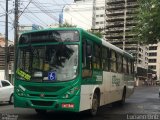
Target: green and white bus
(69,69)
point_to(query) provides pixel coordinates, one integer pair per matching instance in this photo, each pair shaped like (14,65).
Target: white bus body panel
(110,92)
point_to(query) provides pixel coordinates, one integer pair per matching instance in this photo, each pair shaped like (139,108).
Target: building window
(153,48)
(97,15)
(101,22)
(100,8)
(101,15)
(153,54)
(152,67)
(97,23)
(152,61)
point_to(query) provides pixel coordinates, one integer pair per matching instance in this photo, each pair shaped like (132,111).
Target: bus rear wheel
(95,105)
(122,101)
(40,111)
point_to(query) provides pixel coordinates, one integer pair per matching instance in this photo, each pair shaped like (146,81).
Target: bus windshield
(47,63)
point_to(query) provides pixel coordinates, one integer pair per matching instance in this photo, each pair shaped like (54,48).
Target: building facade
(120,22)
(79,14)
(10,57)
(154,59)
(86,14)
(115,18)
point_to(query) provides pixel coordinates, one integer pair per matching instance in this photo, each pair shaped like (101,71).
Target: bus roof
(50,29)
(93,37)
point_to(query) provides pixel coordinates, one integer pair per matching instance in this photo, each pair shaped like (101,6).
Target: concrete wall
(79,14)
(2,74)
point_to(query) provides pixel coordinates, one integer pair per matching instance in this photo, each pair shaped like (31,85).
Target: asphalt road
(145,101)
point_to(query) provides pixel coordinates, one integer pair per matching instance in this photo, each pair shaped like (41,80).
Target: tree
(148,21)
(66,24)
(97,33)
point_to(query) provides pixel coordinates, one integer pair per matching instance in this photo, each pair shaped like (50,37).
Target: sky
(40,12)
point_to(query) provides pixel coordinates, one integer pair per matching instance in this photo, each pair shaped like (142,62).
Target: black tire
(11,100)
(40,111)
(95,105)
(122,101)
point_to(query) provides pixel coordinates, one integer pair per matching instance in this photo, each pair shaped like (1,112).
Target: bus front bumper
(71,104)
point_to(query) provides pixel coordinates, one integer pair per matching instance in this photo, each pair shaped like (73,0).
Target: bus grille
(38,95)
(42,103)
(43,88)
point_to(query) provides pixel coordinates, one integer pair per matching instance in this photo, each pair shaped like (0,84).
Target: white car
(6,91)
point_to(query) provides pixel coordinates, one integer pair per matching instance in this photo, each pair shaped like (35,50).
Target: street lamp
(61,16)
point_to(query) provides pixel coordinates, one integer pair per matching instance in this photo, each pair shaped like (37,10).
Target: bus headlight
(20,91)
(70,93)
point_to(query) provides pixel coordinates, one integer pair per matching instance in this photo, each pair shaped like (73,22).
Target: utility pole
(94,15)
(6,43)
(15,30)
(124,28)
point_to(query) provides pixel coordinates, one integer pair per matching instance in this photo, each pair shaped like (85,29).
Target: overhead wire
(41,22)
(32,20)
(37,4)
(5,12)
(55,10)
(25,8)
(29,18)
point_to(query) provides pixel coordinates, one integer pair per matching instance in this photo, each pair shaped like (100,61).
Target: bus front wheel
(95,105)
(40,111)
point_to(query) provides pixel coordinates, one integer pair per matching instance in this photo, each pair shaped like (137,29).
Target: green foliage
(148,21)
(66,24)
(97,33)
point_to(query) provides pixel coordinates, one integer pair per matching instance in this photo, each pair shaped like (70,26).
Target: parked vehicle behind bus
(6,91)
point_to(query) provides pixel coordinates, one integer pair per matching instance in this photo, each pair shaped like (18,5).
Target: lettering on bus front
(23,74)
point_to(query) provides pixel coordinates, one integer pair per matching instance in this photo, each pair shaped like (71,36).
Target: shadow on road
(104,113)
(4,104)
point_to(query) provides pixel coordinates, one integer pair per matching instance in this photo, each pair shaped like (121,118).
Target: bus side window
(124,65)
(97,56)
(119,63)
(132,67)
(113,61)
(105,58)
(84,54)
(86,59)
(129,66)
